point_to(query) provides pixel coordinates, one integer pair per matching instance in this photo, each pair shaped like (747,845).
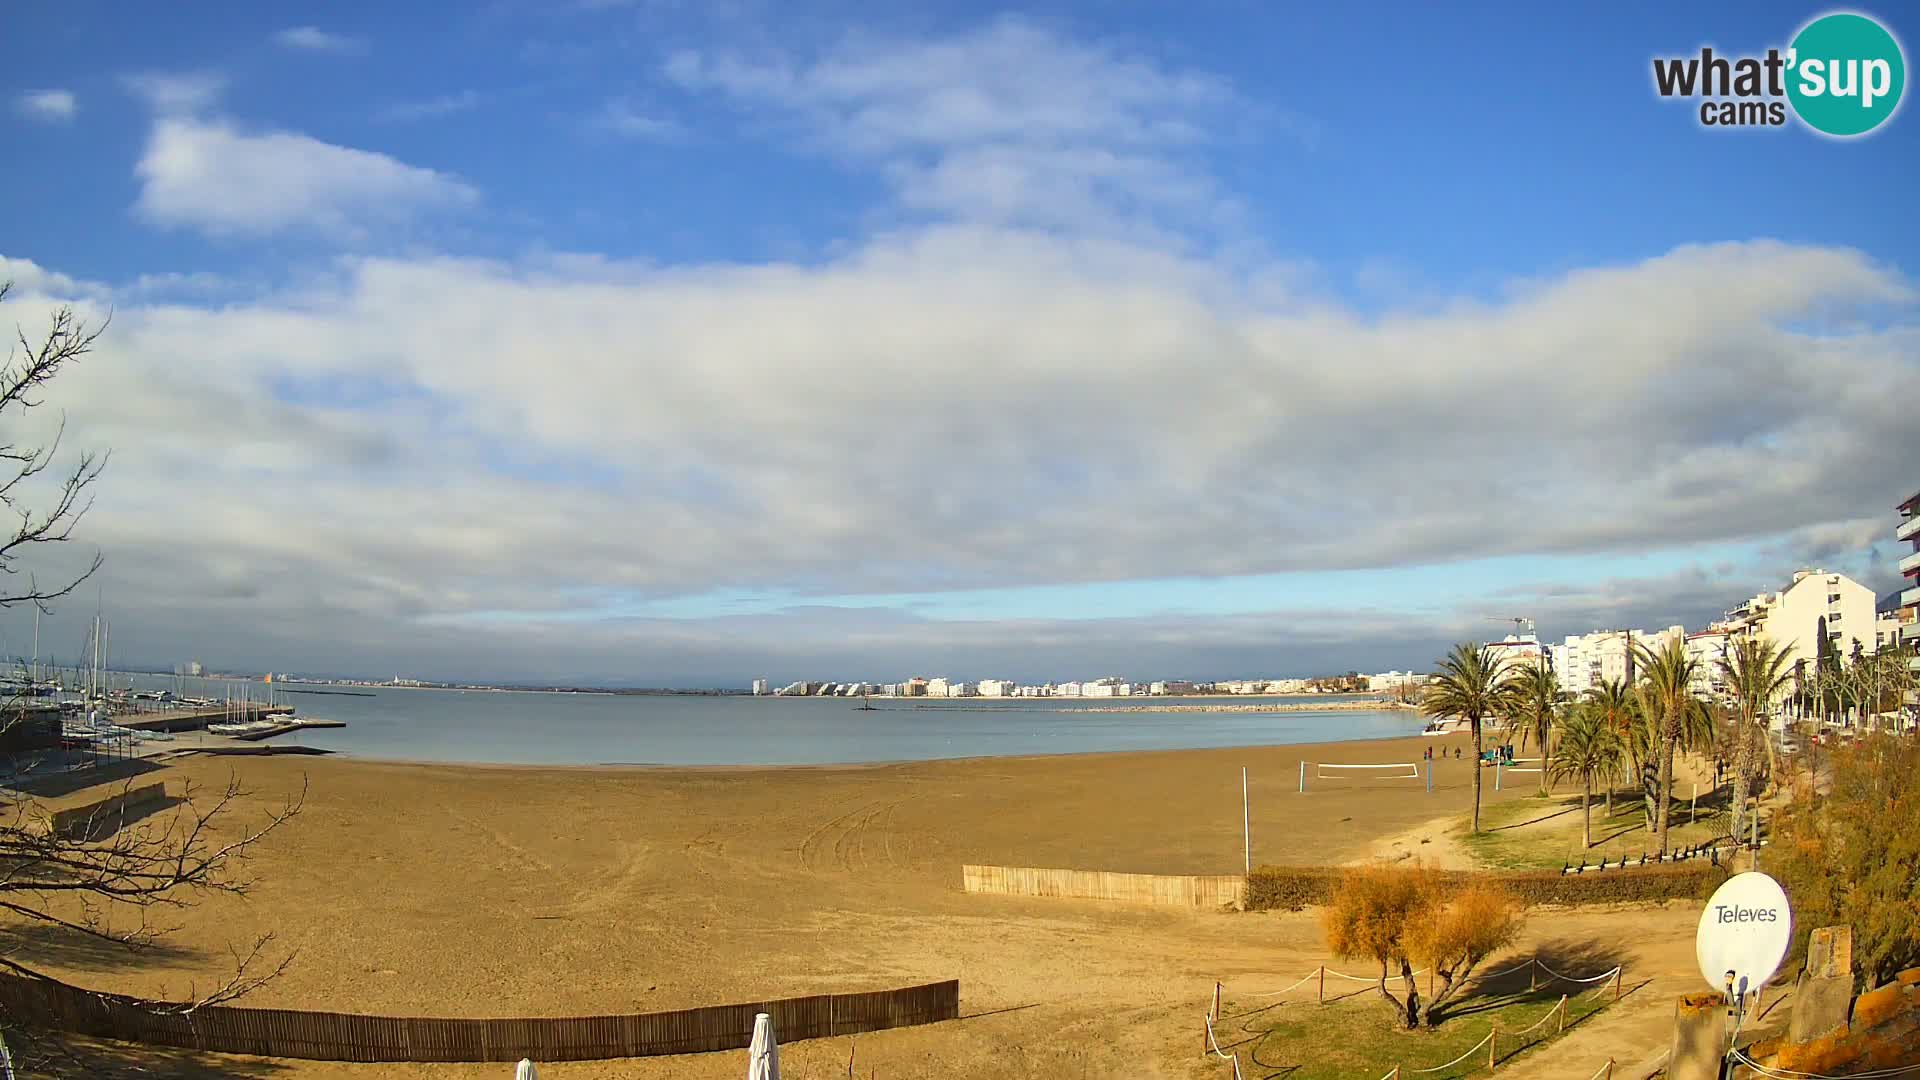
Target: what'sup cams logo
(1842,76)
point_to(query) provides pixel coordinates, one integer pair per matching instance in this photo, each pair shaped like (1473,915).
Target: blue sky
(555,336)
(1465,146)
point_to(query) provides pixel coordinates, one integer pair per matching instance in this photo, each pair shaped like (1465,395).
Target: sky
(658,343)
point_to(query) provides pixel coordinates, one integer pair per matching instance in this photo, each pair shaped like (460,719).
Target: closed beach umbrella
(763,1057)
(525,1071)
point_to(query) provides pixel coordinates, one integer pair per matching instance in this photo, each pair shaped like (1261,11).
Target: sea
(531,728)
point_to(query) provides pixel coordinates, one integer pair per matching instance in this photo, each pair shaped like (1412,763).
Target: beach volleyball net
(1329,774)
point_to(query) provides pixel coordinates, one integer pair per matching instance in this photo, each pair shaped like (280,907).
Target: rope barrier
(1559,1009)
(1522,966)
(1602,977)
(1370,978)
(1311,975)
(1461,1058)
(1214,1045)
(1791,1074)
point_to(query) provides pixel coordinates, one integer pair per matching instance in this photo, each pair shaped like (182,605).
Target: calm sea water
(592,729)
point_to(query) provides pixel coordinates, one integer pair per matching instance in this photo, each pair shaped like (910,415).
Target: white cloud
(172,93)
(54,106)
(1011,123)
(314,39)
(623,117)
(440,439)
(210,175)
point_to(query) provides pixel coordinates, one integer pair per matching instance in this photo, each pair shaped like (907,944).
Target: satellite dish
(1744,933)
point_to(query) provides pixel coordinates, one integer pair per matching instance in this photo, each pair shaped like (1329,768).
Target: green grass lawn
(1358,1036)
(1543,833)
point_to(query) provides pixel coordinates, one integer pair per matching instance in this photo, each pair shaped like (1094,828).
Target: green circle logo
(1845,74)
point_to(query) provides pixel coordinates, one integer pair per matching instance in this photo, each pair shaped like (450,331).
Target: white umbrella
(763,1057)
(525,1071)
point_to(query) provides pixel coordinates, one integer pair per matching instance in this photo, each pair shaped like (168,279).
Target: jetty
(287,726)
(196,719)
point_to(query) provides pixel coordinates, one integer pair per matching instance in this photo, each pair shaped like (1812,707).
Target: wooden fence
(325,1036)
(105,816)
(1195,891)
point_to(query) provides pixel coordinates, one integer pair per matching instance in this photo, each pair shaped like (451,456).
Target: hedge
(1290,888)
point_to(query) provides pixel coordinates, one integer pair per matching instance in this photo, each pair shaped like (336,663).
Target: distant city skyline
(1066,339)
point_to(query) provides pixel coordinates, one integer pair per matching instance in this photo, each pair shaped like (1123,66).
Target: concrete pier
(196,719)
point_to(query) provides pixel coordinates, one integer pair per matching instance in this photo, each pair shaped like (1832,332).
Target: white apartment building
(1514,650)
(1707,648)
(996,688)
(759,687)
(1584,661)
(1388,681)
(1067,689)
(1886,631)
(938,688)
(1813,603)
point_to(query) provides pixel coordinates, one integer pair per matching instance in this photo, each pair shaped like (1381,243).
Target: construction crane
(1522,626)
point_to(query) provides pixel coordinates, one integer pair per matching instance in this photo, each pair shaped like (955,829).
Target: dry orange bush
(1403,917)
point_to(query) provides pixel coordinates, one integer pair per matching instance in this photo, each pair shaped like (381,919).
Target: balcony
(1908,529)
(1910,565)
(1910,597)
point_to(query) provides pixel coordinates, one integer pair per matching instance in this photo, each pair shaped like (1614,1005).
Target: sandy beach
(457,891)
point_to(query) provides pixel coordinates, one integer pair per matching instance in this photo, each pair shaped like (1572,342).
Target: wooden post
(1616,982)
(1563,1013)
(1493,1044)
(1323,984)
(1246,823)
(1609,1069)
(1693,806)
(1533,971)
(1215,1014)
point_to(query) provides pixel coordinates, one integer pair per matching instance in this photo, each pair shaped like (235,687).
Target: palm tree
(1614,703)
(1666,693)
(1470,685)
(1588,746)
(1535,703)
(1758,673)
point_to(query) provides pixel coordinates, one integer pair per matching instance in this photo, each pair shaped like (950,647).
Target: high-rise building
(1815,604)
(759,687)
(1908,613)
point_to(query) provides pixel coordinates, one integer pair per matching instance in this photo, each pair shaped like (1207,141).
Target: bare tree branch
(31,363)
(104,878)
